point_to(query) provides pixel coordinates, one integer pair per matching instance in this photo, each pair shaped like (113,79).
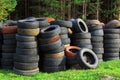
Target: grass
(106,71)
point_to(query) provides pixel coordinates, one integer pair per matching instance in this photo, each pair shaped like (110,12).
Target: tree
(6,6)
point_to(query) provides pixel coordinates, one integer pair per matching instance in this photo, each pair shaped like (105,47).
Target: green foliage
(109,70)
(6,6)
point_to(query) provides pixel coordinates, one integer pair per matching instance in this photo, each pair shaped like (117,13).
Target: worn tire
(8,36)
(99,32)
(27,45)
(97,45)
(114,45)
(64,36)
(81,36)
(111,31)
(112,41)
(48,40)
(28,24)
(51,62)
(25,66)
(62,23)
(66,41)
(92,61)
(71,51)
(96,39)
(26,72)
(64,30)
(21,51)
(111,36)
(9,30)
(79,26)
(50,46)
(53,69)
(98,50)
(94,27)
(25,38)
(81,41)
(22,58)
(43,22)
(111,50)
(29,32)
(50,31)
(9,42)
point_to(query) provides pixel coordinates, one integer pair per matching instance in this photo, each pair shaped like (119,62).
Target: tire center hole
(82,26)
(89,58)
(50,29)
(74,50)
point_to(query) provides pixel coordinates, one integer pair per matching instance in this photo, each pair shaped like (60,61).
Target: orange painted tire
(49,40)
(9,30)
(50,19)
(71,51)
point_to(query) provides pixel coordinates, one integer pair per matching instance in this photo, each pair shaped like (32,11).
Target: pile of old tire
(9,46)
(111,44)
(51,49)
(80,36)
(97,34)
(81,58)
(64,25)
(26,58)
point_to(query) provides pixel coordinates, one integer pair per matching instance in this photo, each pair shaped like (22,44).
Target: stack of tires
(26,58)
(51,49)
(80,36)
(64,25)
(97,40)
(8,47)
(111,44)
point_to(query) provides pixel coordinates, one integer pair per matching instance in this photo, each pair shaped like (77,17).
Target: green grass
(106,71)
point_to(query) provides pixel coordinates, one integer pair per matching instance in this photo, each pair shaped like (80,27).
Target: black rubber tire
(83,45)
(100,56)
(7,55)
(64,30)
(81,41)
(64,36)
(42,22)
(8,36)
(51,62)
(66,41)
(111,31)
(62,23)
(53,69)
(50,46)
(21,51)
(94,27)
(96,39)
(25,66)
(97,45)
(114,45)
(111,50)
(71,61)
(50,31)
(7,67)
(111,36)
(6,62)
(59,49)
(8,50)
(26,72)
(98,50)
(112,58)
(79,26)
(81,36)
(28,24)
(8,46)
(27,45)
(99,32)
(22,58)
(9,41)
(91,57)
(112,41)
(107,55)
(25,38)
